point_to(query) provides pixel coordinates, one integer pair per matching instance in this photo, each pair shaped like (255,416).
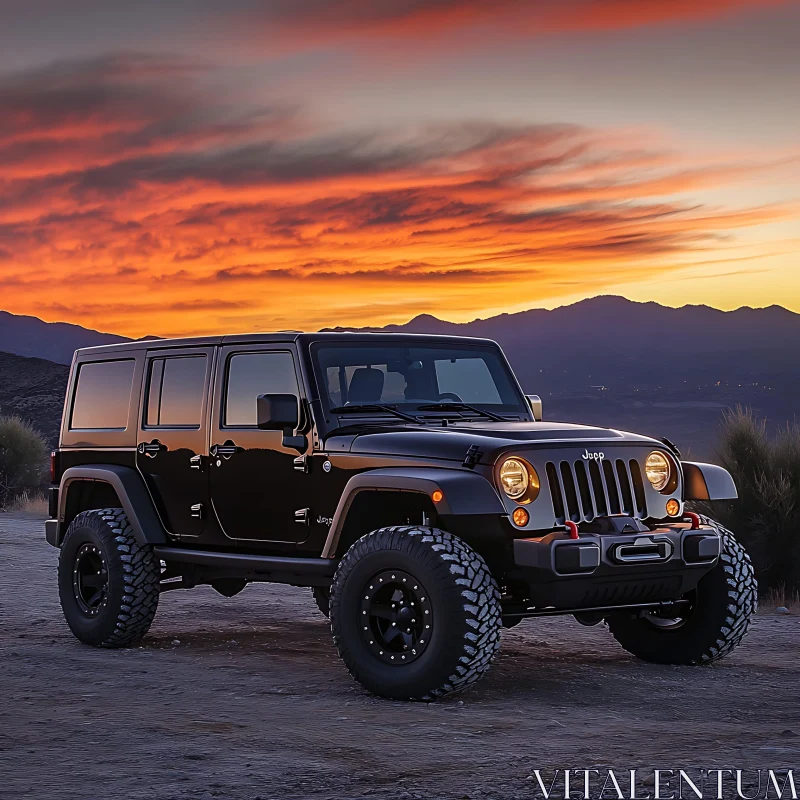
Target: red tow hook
(694,519)
(573,528)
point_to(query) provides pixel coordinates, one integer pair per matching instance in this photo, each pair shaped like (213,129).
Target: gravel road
(245,698)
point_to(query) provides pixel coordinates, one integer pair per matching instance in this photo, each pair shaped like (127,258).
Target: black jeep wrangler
(406,479)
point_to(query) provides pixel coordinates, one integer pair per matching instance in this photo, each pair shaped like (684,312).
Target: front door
(171,450)
(258,487)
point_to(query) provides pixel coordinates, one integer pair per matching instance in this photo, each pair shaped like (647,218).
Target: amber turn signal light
(673,507)
(520,517)
(437,496)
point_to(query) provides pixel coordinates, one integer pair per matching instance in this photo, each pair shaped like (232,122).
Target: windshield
(414,378)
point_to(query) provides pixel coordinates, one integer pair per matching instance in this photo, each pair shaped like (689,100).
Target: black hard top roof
(281,336)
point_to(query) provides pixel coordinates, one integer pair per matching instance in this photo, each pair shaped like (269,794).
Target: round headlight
(658,470)
(514,478)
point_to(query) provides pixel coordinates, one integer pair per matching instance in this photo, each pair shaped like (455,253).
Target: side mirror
(280,412)
(535,402)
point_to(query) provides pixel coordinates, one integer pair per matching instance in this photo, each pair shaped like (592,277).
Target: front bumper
(614,569)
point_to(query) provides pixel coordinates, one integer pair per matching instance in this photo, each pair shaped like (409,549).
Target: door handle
(150,449)
(224,450)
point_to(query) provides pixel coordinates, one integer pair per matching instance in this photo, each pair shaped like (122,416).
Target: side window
(252,374)
(175,392)
(102,395)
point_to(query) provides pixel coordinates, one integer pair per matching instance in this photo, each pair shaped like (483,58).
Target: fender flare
(133,496)
(707,482)
(465,493)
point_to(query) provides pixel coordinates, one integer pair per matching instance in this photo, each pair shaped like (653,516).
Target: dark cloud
(396,274)
(116,88)
(104,123)
(207,304)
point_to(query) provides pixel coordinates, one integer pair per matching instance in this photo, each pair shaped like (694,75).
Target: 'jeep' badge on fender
(587,456)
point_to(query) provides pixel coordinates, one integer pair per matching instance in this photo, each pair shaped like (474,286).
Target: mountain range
(606,360)
(55,341)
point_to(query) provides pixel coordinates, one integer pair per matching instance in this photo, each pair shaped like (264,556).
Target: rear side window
(252,374)
(175,392)
(103,395)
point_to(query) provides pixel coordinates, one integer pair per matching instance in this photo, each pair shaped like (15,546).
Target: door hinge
(197,510)
(301,515)
(302,464)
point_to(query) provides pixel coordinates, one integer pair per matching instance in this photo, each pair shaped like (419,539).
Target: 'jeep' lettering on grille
(587,456)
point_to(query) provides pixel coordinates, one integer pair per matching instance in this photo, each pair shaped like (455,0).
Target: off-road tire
(322,597)
(464,600)
(132,585)
(725,601)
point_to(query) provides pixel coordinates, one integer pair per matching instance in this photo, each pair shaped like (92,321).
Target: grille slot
(638,488)
(598,489)
(614,506)
(582,491)
(555,492)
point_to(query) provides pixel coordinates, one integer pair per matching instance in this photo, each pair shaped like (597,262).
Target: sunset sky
(186,166)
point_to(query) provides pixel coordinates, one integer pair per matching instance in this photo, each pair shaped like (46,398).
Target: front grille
(584,490)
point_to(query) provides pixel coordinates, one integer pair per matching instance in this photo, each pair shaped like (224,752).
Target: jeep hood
(453,441)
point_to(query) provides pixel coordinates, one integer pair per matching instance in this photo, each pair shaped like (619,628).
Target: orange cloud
(314,22)
(141,205)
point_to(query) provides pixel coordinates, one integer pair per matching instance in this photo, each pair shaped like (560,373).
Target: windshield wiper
(461,407)
(367,407)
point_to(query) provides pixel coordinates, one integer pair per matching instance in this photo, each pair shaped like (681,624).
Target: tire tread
(741,607)
(140,572)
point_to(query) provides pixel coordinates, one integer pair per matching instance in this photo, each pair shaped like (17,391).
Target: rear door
(172,444)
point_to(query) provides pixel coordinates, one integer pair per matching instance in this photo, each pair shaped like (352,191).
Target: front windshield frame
(515,410)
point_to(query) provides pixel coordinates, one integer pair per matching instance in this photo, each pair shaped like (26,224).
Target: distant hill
(33,389)
(614,341)
(647,367)
(55,341)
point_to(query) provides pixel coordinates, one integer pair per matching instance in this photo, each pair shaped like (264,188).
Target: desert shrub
(766,517)
(33,502)
(23,459)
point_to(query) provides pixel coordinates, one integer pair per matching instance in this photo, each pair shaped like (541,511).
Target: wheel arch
(467,498)
(94,486)
(707,482)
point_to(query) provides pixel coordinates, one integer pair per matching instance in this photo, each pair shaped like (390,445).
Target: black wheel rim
(396,617)
(90,580)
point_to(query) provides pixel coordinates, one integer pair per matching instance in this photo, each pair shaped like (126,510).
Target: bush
(23,459)
(766,517)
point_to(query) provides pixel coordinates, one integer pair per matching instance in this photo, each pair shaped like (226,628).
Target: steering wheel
(450,396)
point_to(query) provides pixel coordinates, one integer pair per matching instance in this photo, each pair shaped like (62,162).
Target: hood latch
(472,457)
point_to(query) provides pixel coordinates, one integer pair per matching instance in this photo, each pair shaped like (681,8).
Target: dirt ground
(245,698)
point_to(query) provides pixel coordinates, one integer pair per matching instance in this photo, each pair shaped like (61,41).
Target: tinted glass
(175,394)
(468,379)
(404,376)
(252,374)
(103,395)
